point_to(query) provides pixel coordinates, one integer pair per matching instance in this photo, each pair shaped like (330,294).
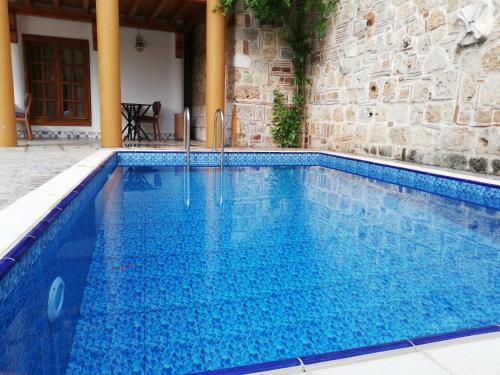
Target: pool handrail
(221,112)
(187,135)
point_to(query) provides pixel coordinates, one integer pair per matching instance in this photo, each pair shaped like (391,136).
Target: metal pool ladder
(187,136)
(221,112)
(187,147)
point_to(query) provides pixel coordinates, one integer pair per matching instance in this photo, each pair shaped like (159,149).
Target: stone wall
(389,80)
(257,62)
(397,88)
(260,62)
(198,84)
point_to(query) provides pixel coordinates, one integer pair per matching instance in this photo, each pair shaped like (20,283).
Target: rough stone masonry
(399,87)
(388,80)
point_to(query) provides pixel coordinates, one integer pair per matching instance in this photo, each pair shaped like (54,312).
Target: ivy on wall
(301,22)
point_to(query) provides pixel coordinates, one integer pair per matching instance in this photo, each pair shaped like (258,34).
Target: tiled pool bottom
(296,261)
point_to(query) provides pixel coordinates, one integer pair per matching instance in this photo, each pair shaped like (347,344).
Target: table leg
(139,129)
(129,127)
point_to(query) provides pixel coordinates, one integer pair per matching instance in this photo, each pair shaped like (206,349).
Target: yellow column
(8,133)
(215,68)
(108,41)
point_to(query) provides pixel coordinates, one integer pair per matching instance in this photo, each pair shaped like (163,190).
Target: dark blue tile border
(259,367)
(317,358)
(350,353)
(23,245)
(6,265)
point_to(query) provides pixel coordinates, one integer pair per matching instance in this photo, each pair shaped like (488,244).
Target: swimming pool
(276,257)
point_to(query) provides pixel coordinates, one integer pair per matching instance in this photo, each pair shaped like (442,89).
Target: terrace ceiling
(164,15)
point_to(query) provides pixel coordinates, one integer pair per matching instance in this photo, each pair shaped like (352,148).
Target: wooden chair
(25,116)
(155,120)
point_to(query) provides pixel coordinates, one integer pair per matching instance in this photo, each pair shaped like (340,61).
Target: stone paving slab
(28,166)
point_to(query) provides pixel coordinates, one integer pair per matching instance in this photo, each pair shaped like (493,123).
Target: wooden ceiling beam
(82,16)
(161,5)
(148,25)
(179,13)
(133,10)
(85,6)
(12,26)
(49,13)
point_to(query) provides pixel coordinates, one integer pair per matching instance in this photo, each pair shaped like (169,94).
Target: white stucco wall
(154,74)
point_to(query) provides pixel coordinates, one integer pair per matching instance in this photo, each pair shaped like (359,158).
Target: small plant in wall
(301,22)
(286,119)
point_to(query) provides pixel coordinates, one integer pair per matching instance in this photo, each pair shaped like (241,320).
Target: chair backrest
(156,108)
(27,103)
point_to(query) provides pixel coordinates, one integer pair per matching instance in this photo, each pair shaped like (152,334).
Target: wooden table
(132,112)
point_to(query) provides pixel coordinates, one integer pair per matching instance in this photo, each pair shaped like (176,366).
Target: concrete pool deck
(472,355)
(24,168)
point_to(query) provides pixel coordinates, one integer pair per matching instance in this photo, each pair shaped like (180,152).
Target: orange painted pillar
(215,68)
(108,40)
(8,132)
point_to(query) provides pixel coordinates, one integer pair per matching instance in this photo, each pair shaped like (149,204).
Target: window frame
(59,43)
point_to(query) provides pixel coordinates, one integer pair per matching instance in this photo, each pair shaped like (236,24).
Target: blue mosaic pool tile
(18,251)
(271,158)
(166,245)
(256,367)
(198,279)
(6,264)
(205,159)
(137,158)
(173,357)
(108,344)
(45,348)
(111,244)
(168,291)
(217,288)
(67,200)
(115,286)
(157,267)
(172,344)
(223,319)
(470,192)
(225,351)
(24,328)
(284,341)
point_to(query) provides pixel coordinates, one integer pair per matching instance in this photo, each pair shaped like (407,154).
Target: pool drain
(56,299)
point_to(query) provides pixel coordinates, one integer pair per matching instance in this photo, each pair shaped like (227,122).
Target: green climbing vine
(301,22)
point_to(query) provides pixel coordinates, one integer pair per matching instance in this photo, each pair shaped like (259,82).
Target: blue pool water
(264,263)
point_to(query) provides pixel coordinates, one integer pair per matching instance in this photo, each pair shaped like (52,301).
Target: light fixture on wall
(139,42)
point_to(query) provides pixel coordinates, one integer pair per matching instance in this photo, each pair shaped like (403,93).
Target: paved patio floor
(28,166)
